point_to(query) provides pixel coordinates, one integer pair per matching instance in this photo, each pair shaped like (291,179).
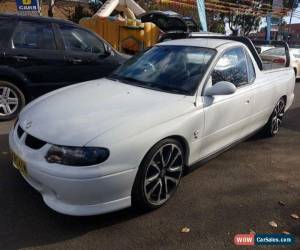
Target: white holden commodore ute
(107,144)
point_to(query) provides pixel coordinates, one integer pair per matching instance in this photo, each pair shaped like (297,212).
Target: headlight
(76,156)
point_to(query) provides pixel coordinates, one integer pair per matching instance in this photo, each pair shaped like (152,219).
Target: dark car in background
(172,24)
(39,54)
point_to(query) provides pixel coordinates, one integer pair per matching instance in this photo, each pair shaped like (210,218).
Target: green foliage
(241,22)
(245,23)
(215,23)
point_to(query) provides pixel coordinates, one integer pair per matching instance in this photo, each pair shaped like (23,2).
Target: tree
(240,21)
(215,22)
(243,23)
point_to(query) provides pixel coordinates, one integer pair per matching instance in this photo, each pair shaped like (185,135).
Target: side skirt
(206,159)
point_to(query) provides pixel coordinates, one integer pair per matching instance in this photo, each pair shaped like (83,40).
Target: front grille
(33,142)
(20,131)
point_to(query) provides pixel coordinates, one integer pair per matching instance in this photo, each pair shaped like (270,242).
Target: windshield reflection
(174,69)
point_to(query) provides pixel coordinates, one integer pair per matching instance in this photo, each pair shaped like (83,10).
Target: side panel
(226,119)
(269,88)
(189,126)
(42,68)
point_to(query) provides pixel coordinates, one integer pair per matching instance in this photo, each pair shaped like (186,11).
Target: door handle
(247,101)
(76,61)
(20,58)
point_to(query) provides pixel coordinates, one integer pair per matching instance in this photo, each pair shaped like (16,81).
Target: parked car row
(40,54)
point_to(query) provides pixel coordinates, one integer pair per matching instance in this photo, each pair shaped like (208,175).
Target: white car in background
(295,60)
(125,140)
(276,58)
(262,48)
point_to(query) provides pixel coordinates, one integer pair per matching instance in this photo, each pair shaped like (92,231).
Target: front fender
(132,149)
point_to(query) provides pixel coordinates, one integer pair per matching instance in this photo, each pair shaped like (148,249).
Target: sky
(287,19)
(264,23)
(294,19)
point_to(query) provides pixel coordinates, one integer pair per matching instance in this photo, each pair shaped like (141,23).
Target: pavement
(243,189)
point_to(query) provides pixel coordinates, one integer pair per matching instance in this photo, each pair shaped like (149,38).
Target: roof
(204,33)
(199,42)
(163,12)
(35,18)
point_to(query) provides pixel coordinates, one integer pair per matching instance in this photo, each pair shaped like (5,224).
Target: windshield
(174,69)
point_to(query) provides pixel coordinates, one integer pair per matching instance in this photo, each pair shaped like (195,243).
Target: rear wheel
(12,101)
(159,175)
(275,120)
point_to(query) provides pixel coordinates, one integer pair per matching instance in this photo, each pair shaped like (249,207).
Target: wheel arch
(284,98)
(179,138)
(15,78)
(296,71)
(138,199)
(184,144)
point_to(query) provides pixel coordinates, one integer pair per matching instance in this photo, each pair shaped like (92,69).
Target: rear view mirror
(220,88)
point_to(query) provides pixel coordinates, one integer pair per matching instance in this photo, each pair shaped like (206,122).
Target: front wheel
(12,101)
(275,120)
(159,175)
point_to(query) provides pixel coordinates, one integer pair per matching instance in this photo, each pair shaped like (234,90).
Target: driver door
(86,57)
(227,117)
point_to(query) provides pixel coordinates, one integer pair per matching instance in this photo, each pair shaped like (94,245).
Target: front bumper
(73,190)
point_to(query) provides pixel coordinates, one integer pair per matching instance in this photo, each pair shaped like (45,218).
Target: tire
(157,182)
(273,125)
(12,100)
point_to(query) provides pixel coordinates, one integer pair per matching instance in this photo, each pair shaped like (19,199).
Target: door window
(31,35)
(79,40)
(274,52)
(231,67)
(6,28)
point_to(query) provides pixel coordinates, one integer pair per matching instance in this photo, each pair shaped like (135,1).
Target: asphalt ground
(236,192)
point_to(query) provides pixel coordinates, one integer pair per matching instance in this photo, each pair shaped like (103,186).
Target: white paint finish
(230,124)
(95,108)
(200,42)
(129,121)
(295,61)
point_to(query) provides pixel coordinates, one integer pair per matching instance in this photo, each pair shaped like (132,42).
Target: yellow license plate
(19,164)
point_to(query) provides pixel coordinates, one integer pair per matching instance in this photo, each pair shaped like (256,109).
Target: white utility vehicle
(125,140)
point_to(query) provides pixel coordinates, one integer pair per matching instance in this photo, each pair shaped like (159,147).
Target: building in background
(287,32)
(62,9)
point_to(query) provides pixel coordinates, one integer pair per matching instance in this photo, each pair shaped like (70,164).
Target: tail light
(279,60)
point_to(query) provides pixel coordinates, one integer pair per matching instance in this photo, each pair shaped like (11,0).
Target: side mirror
(108,50)
(220,88)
